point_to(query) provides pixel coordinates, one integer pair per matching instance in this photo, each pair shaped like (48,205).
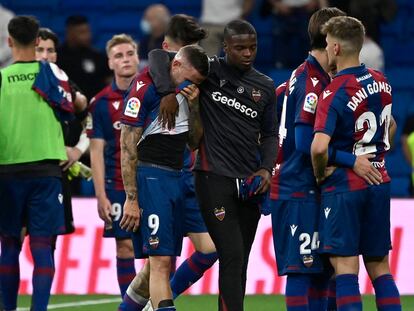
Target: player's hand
(168,111)
(363,168)
(265,184)
(73,155)
(132,215)
(191,92)
(104,209)
(328,172)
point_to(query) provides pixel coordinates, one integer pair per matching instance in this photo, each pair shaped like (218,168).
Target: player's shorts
(295,236)
(161,199)
(33,202)
(67,203)
(193,221)
(117,199)
(356,223)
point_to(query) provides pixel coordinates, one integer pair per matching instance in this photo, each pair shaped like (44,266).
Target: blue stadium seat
(50,5)
(183,4)
(264,48)
(130,4)
(401,78)
(127,22)
(279,75)
(84,6)
(400,187)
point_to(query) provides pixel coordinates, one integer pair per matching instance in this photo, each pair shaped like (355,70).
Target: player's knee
(345,265)
(160,265)
(124,248)
(376,266)
(203,242)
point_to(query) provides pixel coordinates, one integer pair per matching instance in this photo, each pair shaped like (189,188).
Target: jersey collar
(358,70)
(314,62)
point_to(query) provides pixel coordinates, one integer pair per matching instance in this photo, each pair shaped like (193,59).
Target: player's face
(331,49)
(241,50)
(46,51)
(181,70)
(123,60)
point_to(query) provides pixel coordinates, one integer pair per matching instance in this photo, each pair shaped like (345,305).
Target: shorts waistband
(161,167)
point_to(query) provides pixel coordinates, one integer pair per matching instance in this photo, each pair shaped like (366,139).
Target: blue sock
(132,301)
(348,297)
(318,292)
(297,288)
(125,269)
(10,271)
(43,271)
(190,271)
(167,309)
(332,295)
(386,293)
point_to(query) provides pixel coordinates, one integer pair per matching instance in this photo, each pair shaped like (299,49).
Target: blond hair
(120,39)
(348,30)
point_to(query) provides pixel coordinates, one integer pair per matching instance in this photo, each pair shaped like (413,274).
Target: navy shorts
(356,223)
(161,199)
(295,236)
(36,203)
(117,199)
(193,221)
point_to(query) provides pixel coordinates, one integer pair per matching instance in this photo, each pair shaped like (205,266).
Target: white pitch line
(77,304)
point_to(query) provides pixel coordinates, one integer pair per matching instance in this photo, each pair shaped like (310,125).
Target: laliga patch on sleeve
(132,107)
(311,100)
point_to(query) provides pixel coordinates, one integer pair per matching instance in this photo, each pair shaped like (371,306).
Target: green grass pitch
(184,303)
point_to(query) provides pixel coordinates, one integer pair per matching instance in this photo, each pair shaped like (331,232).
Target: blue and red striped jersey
(355,110)
(293,174)
(104,123)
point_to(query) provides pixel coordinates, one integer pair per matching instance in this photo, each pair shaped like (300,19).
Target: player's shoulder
(377,75)
(142,86)
(262,80)
(100,97)
(281,89)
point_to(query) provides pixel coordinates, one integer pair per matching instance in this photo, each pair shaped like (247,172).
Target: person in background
(153,25)
(215,14)
(86,66)
(104,130)
(5,53)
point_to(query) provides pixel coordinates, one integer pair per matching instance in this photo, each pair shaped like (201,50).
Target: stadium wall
(85,262)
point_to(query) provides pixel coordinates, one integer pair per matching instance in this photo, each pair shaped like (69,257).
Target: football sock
(297,288)
(43,271)
(318,292)
(190,271)
(132,301)
(348,297)
(332,295)
(10,271)
(386,293)
(166,305)
(125,269)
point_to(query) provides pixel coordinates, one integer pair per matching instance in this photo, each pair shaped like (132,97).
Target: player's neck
(322,58)
(23,55)
(123,82)
(347,62)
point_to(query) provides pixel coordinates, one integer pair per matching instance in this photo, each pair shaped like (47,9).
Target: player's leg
(160,290)
(219,207)
(45,220)
(375,245)
(340,231)
(125,263)
(193,268)
(137,294)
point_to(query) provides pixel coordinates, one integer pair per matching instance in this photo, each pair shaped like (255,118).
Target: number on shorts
(153,223)
(116,211)
(306,240)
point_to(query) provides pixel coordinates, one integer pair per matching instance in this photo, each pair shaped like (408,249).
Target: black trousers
(232,225)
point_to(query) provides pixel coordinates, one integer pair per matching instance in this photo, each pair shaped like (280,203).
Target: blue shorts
(356,223)
(193,221)
(35,203)
(161,199)
(295,236)
(117,199)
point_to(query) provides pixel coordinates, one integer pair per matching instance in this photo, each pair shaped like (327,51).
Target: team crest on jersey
(311,100)
(132,107)
(154,241)
(89,121)
(240,90)
(220,213)
(257,95)
(307,260)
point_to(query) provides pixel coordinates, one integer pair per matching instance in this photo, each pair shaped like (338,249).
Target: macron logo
(315,81)
(293,229)
(327,211)
(326,93)
(140,84)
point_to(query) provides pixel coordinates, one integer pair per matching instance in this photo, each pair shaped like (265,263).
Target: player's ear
(10,42)
(225,47)
(337,49)
(165,45)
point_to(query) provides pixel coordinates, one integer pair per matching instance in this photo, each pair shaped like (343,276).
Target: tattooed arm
(196,130)
(130,137)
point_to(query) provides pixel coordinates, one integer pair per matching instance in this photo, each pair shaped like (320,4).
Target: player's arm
(97,146)
(393,130)
(268,141)
(196,129)
(130,137)
(159,68)
(319,154)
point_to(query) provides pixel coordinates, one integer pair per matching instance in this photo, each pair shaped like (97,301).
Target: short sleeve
(306,95)
(94,121)
(327,113)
